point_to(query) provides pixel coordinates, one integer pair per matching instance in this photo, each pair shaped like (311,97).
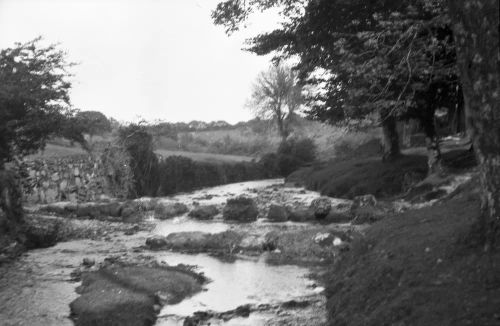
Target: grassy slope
(351,178)
(354,177)
(416,269)
(256,142)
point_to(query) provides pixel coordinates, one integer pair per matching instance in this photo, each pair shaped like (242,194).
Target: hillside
(257,137)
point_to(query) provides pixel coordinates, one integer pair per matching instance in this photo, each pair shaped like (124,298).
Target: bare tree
(276,95)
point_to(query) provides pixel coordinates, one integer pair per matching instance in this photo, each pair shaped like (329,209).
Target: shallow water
(186,224)
(235,284)
(36,290)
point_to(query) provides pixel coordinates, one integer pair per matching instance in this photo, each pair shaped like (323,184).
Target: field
(242,143)
(257,139)
(205,157)
(54,150)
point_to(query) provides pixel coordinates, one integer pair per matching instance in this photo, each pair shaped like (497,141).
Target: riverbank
(422,267)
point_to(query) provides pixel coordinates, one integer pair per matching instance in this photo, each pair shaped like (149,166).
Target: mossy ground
(126,295)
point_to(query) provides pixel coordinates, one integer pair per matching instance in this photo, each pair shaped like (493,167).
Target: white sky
(154,59)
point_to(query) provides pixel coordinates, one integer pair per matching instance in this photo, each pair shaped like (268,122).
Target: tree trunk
(475,25)
(391,138)
(434,161)
(282,129)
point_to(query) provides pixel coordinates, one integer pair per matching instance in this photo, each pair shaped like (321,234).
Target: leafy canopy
(34,99)
(385,55)
(93,122)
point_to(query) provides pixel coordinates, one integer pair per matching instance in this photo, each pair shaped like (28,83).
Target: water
(36,290)
(235,284)
(186,224)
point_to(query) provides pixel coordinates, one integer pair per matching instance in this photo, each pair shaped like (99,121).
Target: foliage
(350,178)
(291,155)
(181,174)
(118,172)
(143,161)
(34,98)
(93,122)
(393,57)
(357,144)
(276,95)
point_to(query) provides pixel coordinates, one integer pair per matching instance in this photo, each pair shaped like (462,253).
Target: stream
(37,289)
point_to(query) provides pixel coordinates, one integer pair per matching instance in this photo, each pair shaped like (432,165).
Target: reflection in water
(238,283)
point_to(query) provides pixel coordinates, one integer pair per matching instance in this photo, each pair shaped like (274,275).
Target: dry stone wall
(76,178)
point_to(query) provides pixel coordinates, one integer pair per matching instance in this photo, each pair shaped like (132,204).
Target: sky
(145,59)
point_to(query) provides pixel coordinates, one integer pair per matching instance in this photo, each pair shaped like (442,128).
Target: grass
(205,157)
(418,268)
(384,180)
(351,178)
(54,150)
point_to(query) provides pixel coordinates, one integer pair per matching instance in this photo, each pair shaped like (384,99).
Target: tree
(277,95)
(476,31)
(378,55)
(34,99)
(476,37)
(93,123)
(135,139)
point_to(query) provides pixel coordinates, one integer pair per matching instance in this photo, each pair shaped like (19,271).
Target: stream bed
(37,289)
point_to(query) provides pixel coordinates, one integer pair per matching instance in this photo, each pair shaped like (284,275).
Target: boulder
(367,214)
(301,214)
(128,209)
(168,210)
(204,212)
(338,216)
(146,203)
(88,262)
(188,240)
(324,239)
(111,209)
(156,242)
(321,207)
(253,242)
(364,200)
(42,233)
(277,213)
(241,209)
(365,209)
(91,210)
(60,208)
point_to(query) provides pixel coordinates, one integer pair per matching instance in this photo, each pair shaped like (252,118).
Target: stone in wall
(78,178)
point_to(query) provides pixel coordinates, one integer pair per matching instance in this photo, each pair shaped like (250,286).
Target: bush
(358,144)
(118,172)
(143,161)
(181,174)
(291,155)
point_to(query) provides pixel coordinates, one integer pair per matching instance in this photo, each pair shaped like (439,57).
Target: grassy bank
(385,180)
(418,268)
(347,179)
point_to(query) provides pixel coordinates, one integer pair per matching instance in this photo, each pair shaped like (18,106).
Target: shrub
(181,174)
(291,155)
(143,161)
(358,145)
(118,172)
